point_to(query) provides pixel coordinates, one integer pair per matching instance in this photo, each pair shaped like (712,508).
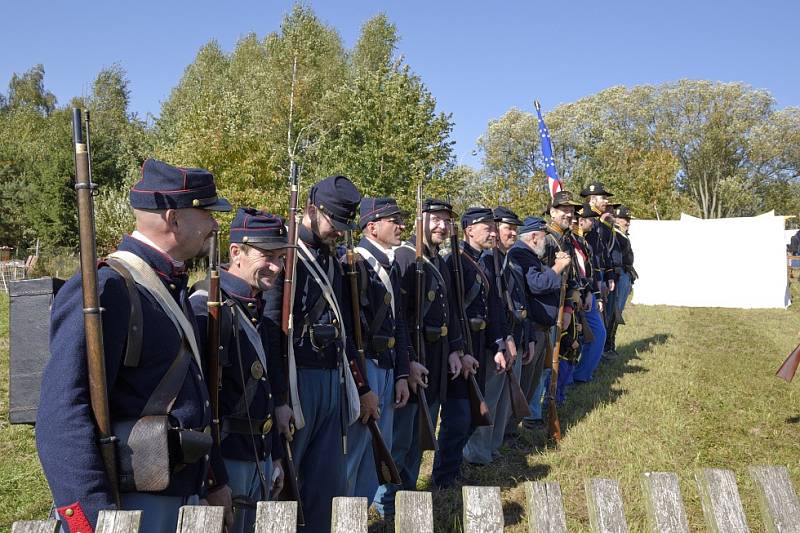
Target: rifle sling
(165,393)
(133,343)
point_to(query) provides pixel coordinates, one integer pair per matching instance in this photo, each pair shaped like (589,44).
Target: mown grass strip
(692,388)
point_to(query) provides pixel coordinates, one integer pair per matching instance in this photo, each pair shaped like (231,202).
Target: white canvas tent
(725,262)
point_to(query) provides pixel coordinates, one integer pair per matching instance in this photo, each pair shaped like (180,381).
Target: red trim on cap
(380,209)
(75,518)
(257,229)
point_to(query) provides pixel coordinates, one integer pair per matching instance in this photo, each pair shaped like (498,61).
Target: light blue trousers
(484,444)
(591,352)
(362,480)
(244,480)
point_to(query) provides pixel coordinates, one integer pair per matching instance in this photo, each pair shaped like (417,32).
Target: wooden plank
(722,505)
(777,498)
(604,499)
(349,515)
(545,508)
(205,518)
(483,510)
(118,521)
(665,511)
(413,512)
(276,517)
(35,526)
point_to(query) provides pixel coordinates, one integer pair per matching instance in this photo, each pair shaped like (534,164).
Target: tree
(713,149)
(28,90)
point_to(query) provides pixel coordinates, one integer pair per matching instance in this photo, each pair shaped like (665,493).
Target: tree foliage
(708,148)
(713,149)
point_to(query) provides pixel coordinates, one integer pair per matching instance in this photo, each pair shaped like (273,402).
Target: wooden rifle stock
(789,366)
(291,488)
(92,319)
(519,404)
(427,433)
(588,335)
(553,424)
(213,345)
(479,409)
(385,466)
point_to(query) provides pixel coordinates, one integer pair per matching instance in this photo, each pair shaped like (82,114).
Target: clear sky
(477,58)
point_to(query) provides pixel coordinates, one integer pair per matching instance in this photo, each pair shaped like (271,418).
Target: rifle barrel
(92,319)
(478,407)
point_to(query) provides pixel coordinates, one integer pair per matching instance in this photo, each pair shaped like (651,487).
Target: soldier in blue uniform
(486,325)
(562,212)
(253,383)
(153,364)
(542,291)
(484,444)
(326,391)
(626,274)
(587,265)
(385,334)
(443,346)
(601,238)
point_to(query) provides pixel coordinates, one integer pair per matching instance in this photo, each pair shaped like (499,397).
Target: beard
(538,249)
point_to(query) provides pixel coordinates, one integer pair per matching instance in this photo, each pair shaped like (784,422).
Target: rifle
(553,424)
(519,404)
(478,407)
(385,466)
(213,344)
(92,319)
(291,487)
(427,433)
(789,367)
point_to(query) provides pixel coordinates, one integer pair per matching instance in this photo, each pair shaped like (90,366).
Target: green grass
(693,388)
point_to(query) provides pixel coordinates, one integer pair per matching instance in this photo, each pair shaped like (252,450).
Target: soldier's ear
(171,217)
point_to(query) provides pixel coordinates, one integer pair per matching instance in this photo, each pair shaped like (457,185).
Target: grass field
(692,388)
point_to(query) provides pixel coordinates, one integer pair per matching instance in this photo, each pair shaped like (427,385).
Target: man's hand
(511,350)
(500,362)
(469,365)
(562,261)
(369,407)
(400,393)
(454,362)
(277,484)
(600,305)
(284,417)
(222,498)
(527,358)
(417,376)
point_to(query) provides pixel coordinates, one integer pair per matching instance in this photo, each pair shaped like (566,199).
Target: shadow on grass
(517,462)
(583,398)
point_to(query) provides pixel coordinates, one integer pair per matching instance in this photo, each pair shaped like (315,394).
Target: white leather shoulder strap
(383,275)
(144,275)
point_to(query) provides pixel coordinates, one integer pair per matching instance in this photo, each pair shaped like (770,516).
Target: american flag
(553,181)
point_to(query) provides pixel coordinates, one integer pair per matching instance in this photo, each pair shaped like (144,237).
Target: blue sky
(477,58)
